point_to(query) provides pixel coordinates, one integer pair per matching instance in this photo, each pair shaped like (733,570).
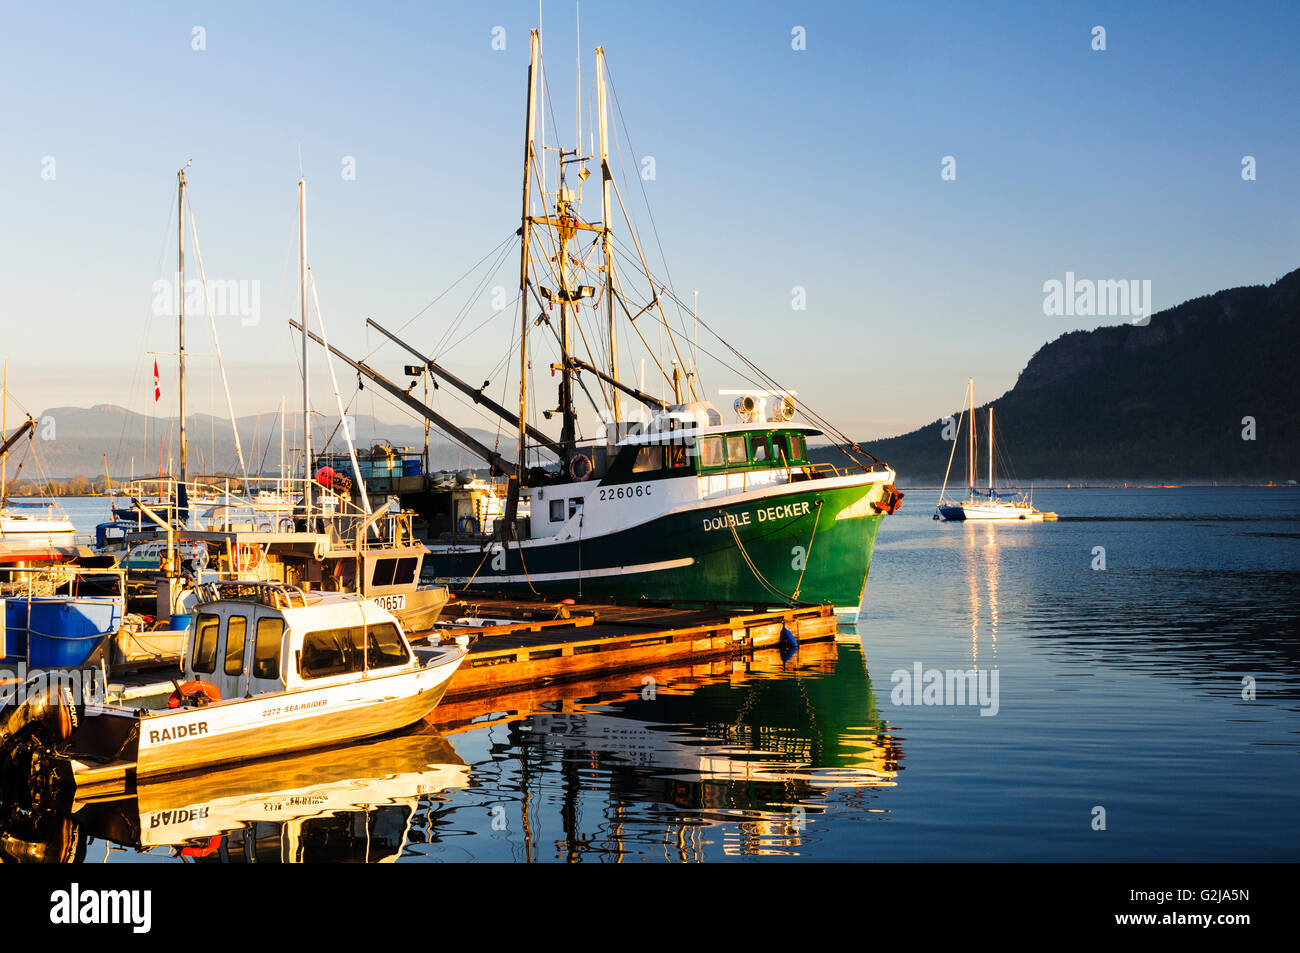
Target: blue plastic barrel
(15,629)
(180,621)
(63,632)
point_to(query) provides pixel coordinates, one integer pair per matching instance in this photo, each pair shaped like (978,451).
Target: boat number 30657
(624,492)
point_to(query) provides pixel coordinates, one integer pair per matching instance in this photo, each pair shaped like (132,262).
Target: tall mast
(306,407)
(180,297)
(970,468)
(605,231)
(564,219)
(990,449)
(525,239)
(4,433)
(282,473)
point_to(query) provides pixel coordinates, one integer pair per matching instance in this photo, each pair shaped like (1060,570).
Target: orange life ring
(202,692)
(586,467)
(247,557)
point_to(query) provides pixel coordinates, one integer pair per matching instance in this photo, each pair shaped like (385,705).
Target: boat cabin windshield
(352,649)
(710,454)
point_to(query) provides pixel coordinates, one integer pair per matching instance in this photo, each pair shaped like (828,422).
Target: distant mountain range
(1174,400)
(72,441)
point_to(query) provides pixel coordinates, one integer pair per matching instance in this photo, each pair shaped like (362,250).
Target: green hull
(810,547)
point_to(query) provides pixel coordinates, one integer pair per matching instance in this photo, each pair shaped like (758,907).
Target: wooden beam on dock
(617,638)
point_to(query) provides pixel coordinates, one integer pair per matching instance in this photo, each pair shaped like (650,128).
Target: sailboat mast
(282,472)
(605,177)
(990,450)
(180,298)
(306,407)
(4,433)
(525,241)
(970,468)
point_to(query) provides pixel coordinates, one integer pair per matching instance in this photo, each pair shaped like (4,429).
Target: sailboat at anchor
(991,504)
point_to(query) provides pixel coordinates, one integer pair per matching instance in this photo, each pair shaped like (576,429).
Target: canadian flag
(157,391)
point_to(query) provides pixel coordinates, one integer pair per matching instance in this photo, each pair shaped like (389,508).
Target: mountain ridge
(1206,389)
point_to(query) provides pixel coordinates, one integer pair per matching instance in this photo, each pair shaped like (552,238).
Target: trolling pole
(27,427)
(475,394)
(499,464)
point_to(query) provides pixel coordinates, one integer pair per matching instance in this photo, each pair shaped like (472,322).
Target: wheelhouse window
(648,459)
(790,448)
(327,652)
(405,572)
(384,571)
(344,651)
(710,451)
(678,457)
(266,650)
(575,504)
(236,628)
(737,453)
(204,656)
(762,450)
(557,511)
(385,647)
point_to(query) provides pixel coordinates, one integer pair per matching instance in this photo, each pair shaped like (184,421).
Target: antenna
(577,32)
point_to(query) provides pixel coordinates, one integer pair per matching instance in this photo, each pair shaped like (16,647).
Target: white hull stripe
(488,577)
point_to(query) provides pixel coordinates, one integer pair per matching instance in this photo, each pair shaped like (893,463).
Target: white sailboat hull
(1002,512)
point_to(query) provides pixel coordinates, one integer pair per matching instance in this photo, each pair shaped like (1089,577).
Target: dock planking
(553,643)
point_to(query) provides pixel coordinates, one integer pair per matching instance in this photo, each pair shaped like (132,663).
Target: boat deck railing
(827,469)
(269,505)
(277,595)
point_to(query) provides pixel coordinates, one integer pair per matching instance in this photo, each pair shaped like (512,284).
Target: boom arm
(645,398)
(28,427)
(487,453)
(475,395)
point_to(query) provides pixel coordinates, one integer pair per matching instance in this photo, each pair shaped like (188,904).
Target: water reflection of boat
(762,749)
(339,804)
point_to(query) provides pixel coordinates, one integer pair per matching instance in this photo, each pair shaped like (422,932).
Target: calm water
(1118,689)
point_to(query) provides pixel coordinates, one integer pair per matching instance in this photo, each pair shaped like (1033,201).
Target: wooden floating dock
(548,643)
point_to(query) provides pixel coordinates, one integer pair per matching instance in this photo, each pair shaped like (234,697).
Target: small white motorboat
(268,669)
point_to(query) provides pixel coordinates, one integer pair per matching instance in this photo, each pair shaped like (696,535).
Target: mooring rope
(750,563)
(807,556)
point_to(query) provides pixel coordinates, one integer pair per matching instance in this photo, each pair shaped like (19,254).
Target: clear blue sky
(775,168)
